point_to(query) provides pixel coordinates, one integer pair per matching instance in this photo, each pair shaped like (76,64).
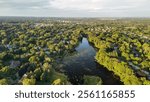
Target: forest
(36,51)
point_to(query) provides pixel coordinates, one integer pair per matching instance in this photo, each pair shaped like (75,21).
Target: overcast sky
(75,8)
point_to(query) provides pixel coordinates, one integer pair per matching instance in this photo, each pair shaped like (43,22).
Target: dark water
(82,62)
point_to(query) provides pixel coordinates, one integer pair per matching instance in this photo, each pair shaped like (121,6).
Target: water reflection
(83,63)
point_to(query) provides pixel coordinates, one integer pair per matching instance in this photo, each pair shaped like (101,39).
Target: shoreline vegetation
(29,49)
(120,68)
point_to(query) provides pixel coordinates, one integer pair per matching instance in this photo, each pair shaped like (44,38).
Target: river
(82,62)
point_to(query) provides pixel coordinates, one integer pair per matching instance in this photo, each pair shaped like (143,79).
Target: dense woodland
(29,48)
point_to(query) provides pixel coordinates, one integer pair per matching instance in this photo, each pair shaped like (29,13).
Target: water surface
(82,62)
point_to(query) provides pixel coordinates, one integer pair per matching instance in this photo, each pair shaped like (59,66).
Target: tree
(47,67)
(37,73)
(27,81)
(33,59)
(57,82)
(4,81)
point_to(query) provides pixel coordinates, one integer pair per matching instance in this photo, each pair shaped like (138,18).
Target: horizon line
(78,17)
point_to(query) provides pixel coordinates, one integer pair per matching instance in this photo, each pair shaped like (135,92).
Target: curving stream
(82,62)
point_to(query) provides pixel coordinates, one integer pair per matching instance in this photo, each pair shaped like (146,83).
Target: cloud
(96,5)
(76,4)
(23,4)
(75,7)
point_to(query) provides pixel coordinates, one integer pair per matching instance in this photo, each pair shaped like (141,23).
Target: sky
(75,8)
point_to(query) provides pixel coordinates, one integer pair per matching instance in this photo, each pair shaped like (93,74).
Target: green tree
(27,81)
